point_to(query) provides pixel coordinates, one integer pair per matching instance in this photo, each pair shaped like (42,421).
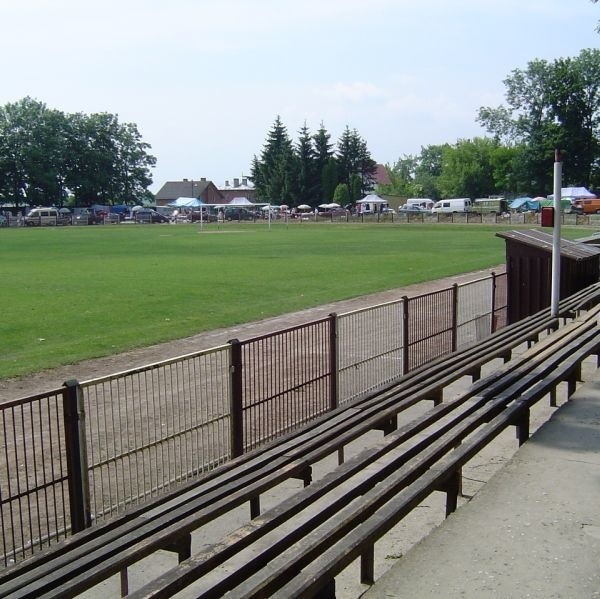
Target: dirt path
(13,388)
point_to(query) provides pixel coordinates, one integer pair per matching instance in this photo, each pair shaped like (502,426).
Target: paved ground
(532,531)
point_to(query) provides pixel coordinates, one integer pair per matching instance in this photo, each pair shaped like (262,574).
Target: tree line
(549,105)
(311,171)
(47,155)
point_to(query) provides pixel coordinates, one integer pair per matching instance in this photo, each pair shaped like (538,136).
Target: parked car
(453,205)
(90,217)
(38,217)
(585,206)
(411,209)
(204,216)
(239,214)
(332,212)
(147,215)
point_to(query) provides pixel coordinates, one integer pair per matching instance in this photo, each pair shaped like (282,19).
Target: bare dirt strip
(17,387)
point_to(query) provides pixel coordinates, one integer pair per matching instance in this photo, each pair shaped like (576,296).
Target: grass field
(71,293)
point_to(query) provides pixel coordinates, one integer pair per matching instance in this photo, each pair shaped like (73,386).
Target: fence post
(237,418)
(493,318)
(77,466)
(405,334)
(454,316)
(333,362)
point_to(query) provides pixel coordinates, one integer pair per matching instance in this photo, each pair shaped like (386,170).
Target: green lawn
(70,293)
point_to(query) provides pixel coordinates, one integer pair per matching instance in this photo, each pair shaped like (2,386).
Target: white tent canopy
(574,192)
(183,202)
(372,198)
(241,201)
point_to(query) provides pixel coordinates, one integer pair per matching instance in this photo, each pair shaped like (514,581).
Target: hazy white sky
(204,80)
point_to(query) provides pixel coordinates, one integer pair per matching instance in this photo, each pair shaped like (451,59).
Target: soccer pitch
(71,293)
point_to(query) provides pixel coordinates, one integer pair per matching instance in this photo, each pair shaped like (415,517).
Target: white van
(423,203)
(453,205)
(39,217)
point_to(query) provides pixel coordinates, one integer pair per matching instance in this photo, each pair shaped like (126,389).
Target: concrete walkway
(532,531)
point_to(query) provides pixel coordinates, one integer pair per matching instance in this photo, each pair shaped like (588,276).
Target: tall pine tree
(307,184)
(273,174)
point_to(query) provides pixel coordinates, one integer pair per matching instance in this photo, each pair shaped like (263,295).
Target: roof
(186,188)
(543,241)
(381,175)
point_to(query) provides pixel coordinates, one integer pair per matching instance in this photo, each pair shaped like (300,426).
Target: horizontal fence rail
(80,454)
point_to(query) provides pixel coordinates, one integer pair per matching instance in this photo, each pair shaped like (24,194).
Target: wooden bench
(296,548)
(93,555)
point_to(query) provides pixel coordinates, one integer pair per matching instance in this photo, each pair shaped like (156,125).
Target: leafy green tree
(341,195)
(46,154)
(33,157)
(112,164)
(467,169)
(402,177)
(552,105)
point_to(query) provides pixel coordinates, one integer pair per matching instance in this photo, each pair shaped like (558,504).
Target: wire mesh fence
(286,380)
(151,428)
(371,349)
(34,494)
(83,453)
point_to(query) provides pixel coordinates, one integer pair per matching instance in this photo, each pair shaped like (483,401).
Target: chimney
(245,182)
(185,179)
(202,178)
(236,182)
(227,183)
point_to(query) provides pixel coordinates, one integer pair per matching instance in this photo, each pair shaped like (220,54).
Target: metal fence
(371,349)
(34,486)
(282,380)
(152,427)
(87,451)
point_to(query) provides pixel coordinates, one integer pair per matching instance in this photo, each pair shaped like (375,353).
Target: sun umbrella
(304,207)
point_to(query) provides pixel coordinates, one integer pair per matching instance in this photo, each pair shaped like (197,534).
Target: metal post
(237,419)
(493,315)
(454,316)
(405,339)
(555,297)
(333,362)
(79,492)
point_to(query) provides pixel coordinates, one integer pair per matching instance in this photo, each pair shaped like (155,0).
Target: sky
(204,80)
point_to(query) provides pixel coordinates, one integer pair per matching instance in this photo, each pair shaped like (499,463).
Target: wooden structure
(529,270)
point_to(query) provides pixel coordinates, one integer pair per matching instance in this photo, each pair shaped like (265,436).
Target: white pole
(555,297)
(269,216)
